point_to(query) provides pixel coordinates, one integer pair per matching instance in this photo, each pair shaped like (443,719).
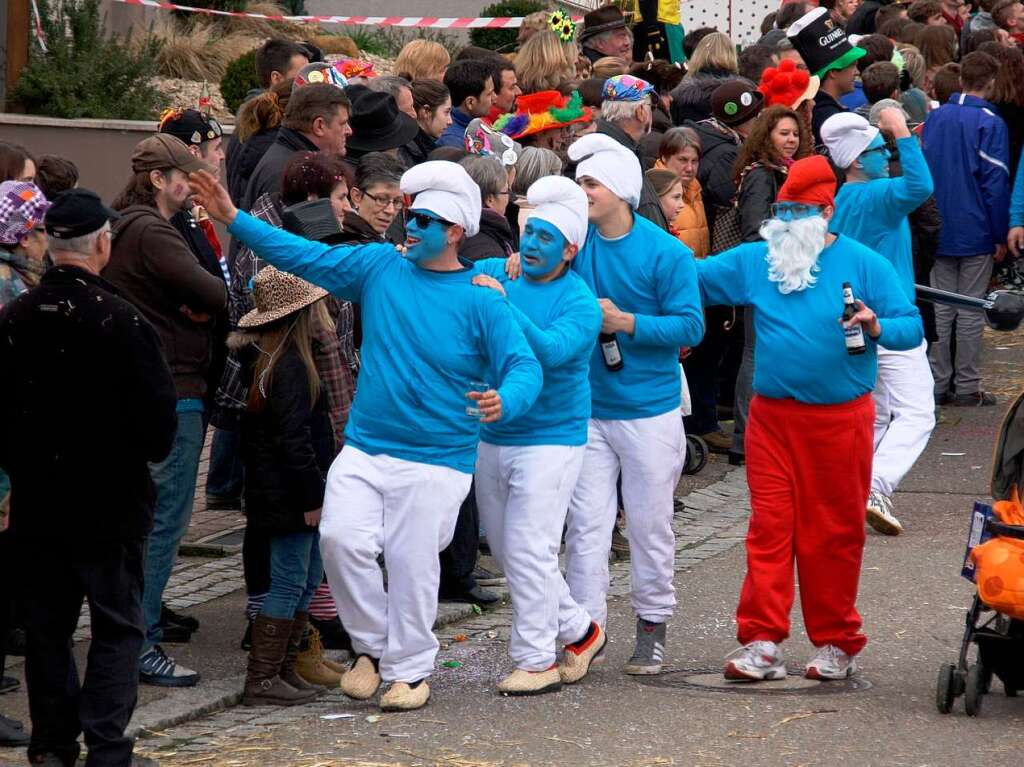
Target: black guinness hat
(822,43)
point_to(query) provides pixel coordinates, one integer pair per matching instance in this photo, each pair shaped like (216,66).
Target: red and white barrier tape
(434,22)
(37,27)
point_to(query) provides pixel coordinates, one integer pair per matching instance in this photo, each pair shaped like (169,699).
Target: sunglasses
(876,149)
(790,211)
(424,220)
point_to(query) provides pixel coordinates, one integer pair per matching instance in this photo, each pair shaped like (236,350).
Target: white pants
(407,510)
(649,453)
(523,493)
(904,415)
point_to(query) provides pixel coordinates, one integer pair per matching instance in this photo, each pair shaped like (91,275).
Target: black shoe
(485,577)
(332,634)
(8,684)
(168,616)
(223,502)
(946,398)
(974,399)
(736,459)
(475,596)
(15,644)
(246,643)
(51,760)
(12,733)
(172,633)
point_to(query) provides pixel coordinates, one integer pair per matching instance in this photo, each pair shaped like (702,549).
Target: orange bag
(1000,565)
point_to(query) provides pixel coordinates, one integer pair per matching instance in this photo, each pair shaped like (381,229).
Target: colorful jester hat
(561,24)
(543,111)
(626,88)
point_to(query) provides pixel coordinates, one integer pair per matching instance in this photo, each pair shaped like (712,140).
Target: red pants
(809,471)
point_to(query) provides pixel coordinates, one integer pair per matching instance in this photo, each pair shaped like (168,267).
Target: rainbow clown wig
(543,111)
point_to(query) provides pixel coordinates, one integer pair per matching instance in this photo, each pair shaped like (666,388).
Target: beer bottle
(610,350)
(205,104)
(855,333)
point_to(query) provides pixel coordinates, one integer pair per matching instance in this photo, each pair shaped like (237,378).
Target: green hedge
(495,39)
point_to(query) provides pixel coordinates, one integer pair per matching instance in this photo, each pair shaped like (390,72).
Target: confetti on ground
(460,638)
(451,664)
(478,609)
(330,717)
(953,455)
(804,715)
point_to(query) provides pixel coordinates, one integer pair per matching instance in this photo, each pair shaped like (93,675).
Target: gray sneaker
(650,648)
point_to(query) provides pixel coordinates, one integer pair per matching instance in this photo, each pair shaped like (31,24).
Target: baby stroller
(995,621)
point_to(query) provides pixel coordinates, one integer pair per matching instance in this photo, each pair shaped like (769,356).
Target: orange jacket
(691,225)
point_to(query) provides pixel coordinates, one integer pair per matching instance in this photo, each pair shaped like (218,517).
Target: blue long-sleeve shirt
(427,336)
(455,134)
(801,352)
(560,320)
(1017,198)
(650,274)
(874,213)
(968,150)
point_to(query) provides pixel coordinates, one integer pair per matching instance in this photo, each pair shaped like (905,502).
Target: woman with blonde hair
(714,62)
(543,62)
(609,66)
(422,60)
(715,53)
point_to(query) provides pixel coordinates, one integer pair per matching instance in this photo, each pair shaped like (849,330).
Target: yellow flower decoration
(562,25)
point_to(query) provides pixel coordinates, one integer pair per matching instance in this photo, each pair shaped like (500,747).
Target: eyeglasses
(876,149)
(794,211)
(383,200)
(423,220)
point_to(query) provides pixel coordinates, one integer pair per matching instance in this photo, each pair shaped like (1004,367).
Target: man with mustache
(811,420)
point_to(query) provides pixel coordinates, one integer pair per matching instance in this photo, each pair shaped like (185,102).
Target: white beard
(793,250)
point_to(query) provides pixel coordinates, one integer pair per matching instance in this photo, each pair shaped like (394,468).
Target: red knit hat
(811,181)
(788,86)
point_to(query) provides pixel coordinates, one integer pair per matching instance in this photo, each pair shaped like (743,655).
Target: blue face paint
(542,247)
(427,236)
(794,211)
(874,160)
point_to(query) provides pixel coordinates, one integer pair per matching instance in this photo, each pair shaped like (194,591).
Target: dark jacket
(824,107)
(691,99)
(757,193)
(86,400)
(650,206)
(416,151)
(593,54)
(357,230)
(242,159)
(287,448)
(862,21)
(715,172)
(154,269)
(269,172)
(494,240)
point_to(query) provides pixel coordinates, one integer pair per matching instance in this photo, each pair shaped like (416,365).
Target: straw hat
(278,294)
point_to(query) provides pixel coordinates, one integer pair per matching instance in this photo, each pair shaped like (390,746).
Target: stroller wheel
(975,689)
(945,689)
(696,454)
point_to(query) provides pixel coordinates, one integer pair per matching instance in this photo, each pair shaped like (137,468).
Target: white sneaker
(880,515)
(755,662)
(831,663)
